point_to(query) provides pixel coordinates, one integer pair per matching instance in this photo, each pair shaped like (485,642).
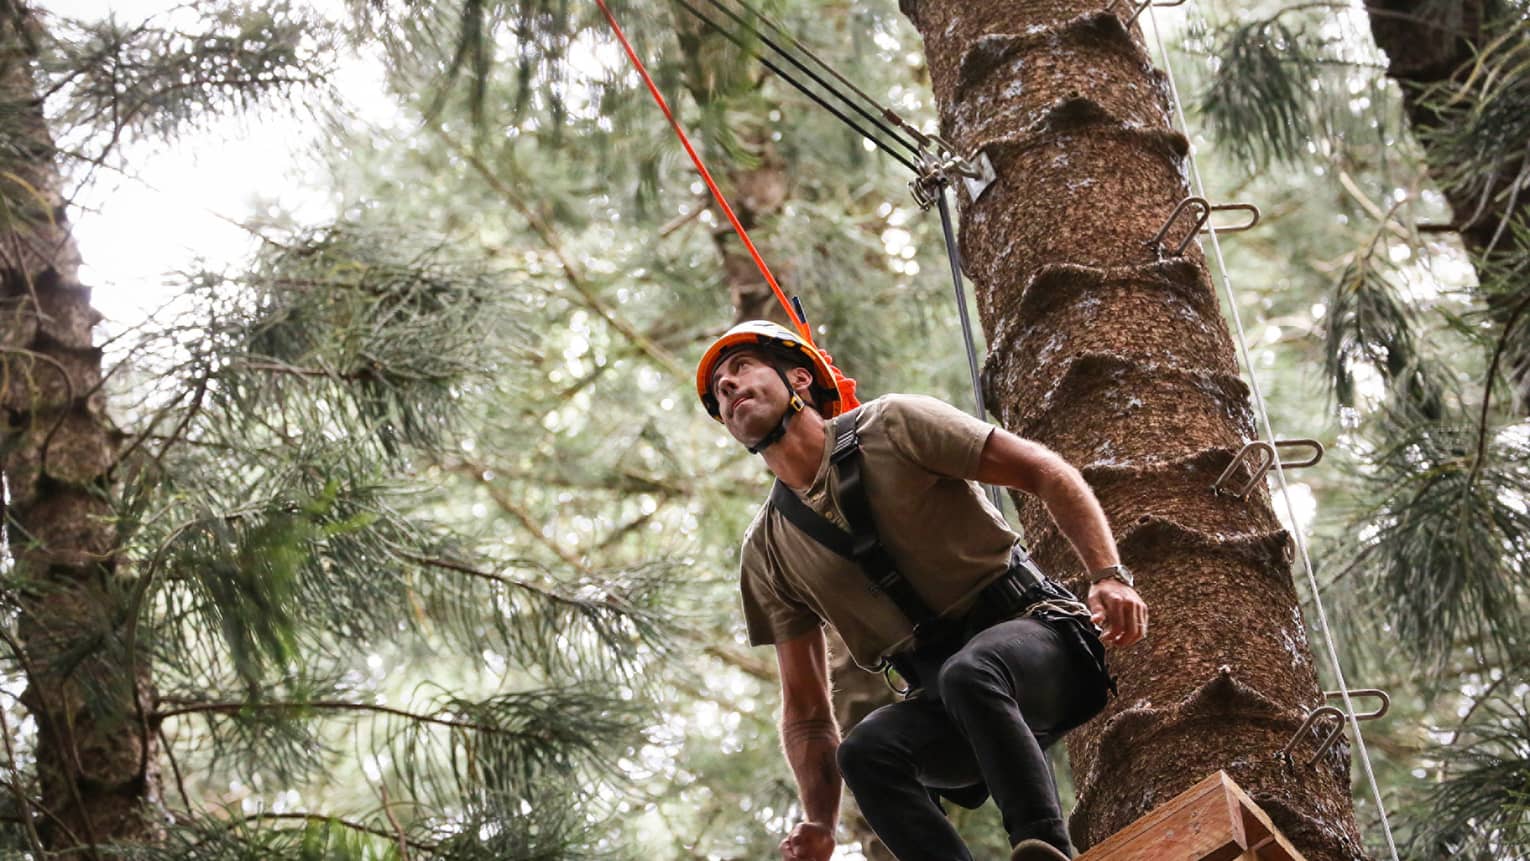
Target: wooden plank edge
(1250,833)
(1260,830)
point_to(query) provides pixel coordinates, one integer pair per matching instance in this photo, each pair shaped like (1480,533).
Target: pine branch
(1445,537)
(23,802)
(303,708)
(396,835)
(575,276)
(1504,339)
(1481,802)
(148,78)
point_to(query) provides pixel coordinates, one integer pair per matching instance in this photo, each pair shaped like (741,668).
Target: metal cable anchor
(1141,7)
(1338,730)
(975,172)
(1261,458)
(1203,210)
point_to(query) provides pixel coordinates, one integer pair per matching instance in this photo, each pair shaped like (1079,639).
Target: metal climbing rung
(1203,210)
(1142,7)
(1335,711)
(1266,454)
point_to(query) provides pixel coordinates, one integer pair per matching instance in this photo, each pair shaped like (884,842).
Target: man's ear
(802,382)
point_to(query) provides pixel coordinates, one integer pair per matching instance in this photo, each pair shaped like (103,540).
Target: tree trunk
(1429,44)
(97,767)
(1116,357)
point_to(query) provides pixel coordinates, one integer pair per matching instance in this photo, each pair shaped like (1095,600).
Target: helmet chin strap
(793,406)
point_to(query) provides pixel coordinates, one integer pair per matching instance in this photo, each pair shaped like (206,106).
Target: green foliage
(360,322)
(1483,123)
(1261,101)
(1442,544)
(1480,807)
(162,80)
(253,839)
(1369,323)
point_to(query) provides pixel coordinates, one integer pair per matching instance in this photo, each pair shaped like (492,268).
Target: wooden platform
(1211,821)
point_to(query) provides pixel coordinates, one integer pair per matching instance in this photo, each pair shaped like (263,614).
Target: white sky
(183,201)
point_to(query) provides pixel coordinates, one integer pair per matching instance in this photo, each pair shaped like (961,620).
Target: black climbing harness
(1023,590)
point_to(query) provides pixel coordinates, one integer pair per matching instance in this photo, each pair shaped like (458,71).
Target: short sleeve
(772,613)
(936,436)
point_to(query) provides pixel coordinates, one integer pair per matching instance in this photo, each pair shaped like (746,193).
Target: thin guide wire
(954,256)
(803,88)
(1280,475)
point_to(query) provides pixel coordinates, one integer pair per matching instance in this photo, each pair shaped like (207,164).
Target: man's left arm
(1011,461)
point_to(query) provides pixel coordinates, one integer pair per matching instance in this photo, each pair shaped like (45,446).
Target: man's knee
(967,678)
(864,755)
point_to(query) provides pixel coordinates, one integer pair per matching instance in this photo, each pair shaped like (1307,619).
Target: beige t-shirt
(946,539)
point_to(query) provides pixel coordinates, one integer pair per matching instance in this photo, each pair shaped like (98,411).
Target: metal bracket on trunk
(1323,710)
(975,172)
(1141,7)
(977,181)
(1261,458)
(1203,211)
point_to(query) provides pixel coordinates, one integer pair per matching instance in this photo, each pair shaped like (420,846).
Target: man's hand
(809,841)
(1119,610)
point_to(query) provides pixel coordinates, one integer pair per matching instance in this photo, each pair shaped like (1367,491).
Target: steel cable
(875,120)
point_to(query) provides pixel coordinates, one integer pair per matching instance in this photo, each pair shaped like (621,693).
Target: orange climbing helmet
(836,392)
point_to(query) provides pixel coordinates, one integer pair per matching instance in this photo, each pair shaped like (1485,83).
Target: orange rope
(844,384)
(738,227)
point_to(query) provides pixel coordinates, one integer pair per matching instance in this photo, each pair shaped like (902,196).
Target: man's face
(750,397)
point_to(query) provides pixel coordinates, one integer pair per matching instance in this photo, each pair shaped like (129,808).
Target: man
(1004,666)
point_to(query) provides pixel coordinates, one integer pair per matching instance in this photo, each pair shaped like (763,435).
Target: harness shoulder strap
(815,525)
(861,544)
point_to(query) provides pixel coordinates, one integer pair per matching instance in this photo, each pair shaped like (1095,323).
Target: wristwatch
(1118,572)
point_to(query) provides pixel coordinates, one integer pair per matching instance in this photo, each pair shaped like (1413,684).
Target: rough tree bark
(1116,356)
(1428,44)
(97,767)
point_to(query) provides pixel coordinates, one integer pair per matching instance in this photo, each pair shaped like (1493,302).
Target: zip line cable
(887,113)
(919,150)
(954,256)
(803,88)
(1280,475)
(929,171)
(877,120)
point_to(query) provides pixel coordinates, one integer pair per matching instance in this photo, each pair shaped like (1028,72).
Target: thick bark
(1430,45)
(96,757)
(756,194)
(1117,357)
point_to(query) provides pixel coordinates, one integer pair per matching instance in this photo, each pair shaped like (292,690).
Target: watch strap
(1117,571)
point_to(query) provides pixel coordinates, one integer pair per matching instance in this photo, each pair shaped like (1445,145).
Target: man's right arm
(810,739)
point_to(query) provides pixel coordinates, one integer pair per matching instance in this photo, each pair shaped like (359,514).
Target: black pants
(993,708)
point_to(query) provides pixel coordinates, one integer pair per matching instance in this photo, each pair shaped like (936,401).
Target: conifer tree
(1112,351)
(1434,546)
(208,592)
